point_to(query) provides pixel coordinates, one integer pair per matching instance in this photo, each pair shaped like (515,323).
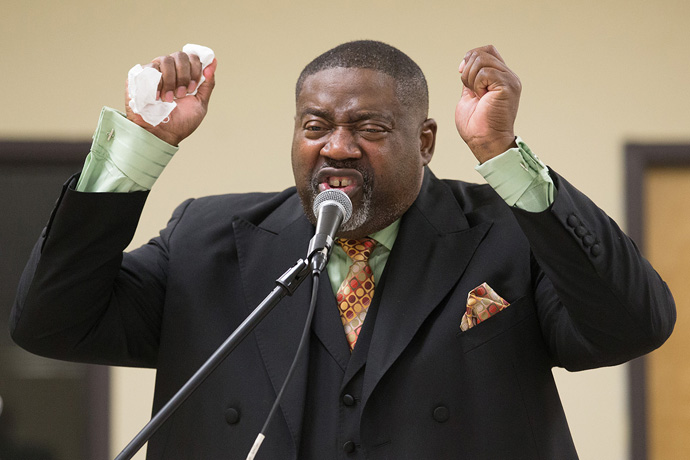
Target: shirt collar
(387,236)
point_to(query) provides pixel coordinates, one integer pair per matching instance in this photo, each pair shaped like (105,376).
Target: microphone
(332,208)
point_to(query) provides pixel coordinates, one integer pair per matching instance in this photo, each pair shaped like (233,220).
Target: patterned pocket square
(482,304)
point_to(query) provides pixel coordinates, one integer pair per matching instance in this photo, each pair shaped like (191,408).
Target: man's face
(353,133)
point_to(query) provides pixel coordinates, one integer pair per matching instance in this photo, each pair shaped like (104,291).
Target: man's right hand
(181,72)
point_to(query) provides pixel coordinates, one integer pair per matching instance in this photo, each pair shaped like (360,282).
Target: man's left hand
(487,109)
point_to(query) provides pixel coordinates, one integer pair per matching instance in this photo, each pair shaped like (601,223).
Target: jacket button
(349,447)
(580,231)
(595,250)
(588,240)
(573,221)
(441,414)
(232,416)
(349,400)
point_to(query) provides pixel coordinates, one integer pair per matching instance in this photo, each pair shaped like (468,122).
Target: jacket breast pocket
(500,323)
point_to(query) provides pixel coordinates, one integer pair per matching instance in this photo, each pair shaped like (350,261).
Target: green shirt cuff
(124,157)
(520,178)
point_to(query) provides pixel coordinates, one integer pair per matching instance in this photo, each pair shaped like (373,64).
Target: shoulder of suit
(471,195)
(243,205)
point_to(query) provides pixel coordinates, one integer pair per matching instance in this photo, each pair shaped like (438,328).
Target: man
(415,375)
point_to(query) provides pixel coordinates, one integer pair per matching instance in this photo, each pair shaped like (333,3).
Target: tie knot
(357,250)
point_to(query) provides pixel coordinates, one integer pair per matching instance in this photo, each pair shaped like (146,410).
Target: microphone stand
(286,285)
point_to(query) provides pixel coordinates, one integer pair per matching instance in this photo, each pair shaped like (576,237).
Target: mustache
(357,165)
(343,164)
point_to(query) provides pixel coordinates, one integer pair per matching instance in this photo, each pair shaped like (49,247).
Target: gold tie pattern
(355,293)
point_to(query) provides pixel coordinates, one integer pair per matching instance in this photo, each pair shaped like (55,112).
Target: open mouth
(347,180)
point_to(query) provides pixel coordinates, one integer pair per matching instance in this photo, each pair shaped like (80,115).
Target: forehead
(344,89)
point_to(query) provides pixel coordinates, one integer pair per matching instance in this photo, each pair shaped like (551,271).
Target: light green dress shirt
(125,158)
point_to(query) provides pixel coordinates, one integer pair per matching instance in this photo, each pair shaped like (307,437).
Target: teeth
(336,182)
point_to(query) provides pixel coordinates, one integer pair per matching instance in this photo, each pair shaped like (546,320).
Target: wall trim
(638,159)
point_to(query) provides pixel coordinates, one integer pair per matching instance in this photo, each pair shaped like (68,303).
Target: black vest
(334,389)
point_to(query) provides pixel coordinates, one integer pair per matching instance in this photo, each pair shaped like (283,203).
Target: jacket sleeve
(600,302)
(81,298)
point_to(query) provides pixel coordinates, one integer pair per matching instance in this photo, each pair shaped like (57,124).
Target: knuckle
(479,62)
(483,74)
(181,57)
(166,61)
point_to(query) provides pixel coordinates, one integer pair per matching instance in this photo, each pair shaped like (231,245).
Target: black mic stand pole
(286,285)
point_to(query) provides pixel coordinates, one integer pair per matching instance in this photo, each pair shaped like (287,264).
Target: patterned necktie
(357,290)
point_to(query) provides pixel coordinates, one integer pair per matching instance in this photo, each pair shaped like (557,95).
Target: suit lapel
(265,252)
(327,325)
(434,247)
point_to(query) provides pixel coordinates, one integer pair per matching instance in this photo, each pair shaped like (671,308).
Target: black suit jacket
(581,297)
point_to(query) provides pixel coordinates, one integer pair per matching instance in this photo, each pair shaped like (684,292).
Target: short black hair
(411,87)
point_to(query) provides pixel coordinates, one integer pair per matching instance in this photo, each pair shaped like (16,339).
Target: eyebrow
(354,118)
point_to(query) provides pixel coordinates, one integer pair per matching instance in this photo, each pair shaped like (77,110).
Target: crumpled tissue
(143,82)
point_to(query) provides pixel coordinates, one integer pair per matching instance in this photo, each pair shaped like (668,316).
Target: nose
(341,145)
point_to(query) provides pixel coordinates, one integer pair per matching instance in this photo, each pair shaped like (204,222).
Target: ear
(427,140)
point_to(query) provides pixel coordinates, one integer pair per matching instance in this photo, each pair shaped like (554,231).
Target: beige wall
(596,74)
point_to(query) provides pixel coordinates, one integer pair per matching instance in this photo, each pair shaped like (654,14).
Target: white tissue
(143,85)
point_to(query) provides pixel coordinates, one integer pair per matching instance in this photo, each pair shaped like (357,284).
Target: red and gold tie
(355,294)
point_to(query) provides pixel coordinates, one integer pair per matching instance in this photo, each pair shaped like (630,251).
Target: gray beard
(359,215)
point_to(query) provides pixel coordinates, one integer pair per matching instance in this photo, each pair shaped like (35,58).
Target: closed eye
(315,129)
(372,132)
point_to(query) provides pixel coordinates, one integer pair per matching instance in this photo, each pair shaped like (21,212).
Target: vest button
(349,400)
(349,447)
(441,414)
(232,416)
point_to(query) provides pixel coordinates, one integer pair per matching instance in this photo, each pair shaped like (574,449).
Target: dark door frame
(638,159)
(46,153)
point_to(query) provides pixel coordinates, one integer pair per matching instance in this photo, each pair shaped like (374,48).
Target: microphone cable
(301,349)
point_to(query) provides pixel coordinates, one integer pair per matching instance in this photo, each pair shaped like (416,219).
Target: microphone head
(336,197)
